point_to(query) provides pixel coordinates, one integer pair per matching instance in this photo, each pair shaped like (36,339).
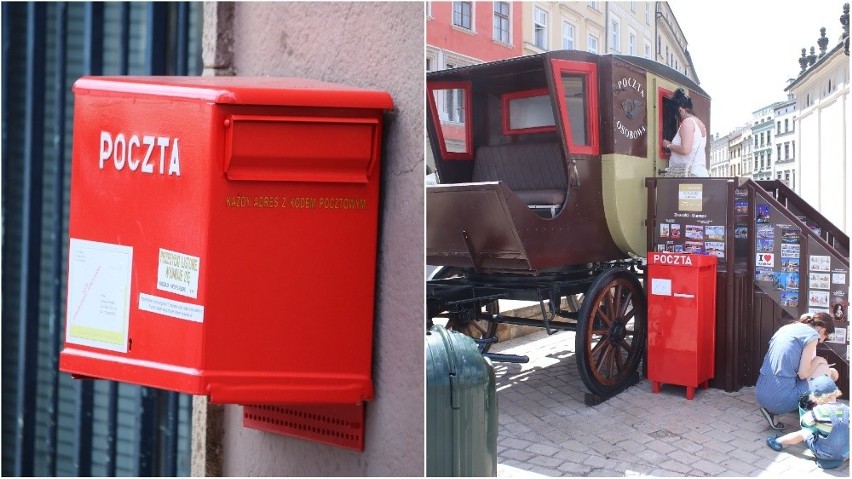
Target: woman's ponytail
(820,319)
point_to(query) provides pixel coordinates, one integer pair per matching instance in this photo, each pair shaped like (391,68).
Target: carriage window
(450,108)
(577,96)
(527,112)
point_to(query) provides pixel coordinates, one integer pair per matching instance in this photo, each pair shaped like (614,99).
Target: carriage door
(665,121)
(577,101)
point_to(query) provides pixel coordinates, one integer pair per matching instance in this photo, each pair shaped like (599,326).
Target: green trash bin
(461,407)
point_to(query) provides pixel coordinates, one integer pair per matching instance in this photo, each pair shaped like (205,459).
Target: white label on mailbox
(170,307)
(178,273)
(98,304)
(661,286)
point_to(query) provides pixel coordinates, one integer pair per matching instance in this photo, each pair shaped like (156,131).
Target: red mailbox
(223,237)
(681,320)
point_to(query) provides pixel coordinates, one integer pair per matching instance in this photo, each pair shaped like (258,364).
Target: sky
(745,51)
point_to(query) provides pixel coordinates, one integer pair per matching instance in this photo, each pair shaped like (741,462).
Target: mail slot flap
(315,149)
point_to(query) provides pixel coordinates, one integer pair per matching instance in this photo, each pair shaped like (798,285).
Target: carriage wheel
(611,331)
(476,329)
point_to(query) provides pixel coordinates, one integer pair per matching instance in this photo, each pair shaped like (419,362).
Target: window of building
(462,14)
(615,34)
(768,137)
(592,43)
(567,36)
(501,22)
(786,125)
(779,151)
(631,43)
(648,13)
(453,106)
(633,7)
(779,127)
(540,28)
(648,51)
(786,151)
(593,5)
(428,64)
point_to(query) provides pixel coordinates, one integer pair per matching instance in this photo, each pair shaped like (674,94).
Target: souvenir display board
(827,287)
(696,222)
(800,279)
(741,223)
(777,262)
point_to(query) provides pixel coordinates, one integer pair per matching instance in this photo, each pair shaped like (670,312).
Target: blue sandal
(772,442)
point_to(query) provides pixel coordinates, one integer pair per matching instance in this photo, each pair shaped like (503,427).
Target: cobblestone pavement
(546,429)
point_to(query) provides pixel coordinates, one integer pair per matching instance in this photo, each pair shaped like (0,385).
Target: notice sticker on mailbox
(661,286)
(98,307)
(169,307)
(178,273)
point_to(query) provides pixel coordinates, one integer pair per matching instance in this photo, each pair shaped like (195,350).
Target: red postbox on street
(223,237)
(681,320)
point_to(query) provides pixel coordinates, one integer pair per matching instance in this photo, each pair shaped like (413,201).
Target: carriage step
(507,358)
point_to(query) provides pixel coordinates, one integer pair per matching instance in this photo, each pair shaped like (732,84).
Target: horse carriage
(541,197)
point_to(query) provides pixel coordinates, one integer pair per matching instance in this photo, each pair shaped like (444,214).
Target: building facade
(563,26)
(671,42)
(739,150)
(630,28)
(762,129)
(785,165)
(720,164)
(467,33)
(822,130)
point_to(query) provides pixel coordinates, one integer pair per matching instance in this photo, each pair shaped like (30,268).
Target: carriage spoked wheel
(476,329)
(611,332)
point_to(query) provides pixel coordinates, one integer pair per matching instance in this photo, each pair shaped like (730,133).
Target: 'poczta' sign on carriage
(542,161)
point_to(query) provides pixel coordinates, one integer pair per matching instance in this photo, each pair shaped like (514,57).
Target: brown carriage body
(527,194)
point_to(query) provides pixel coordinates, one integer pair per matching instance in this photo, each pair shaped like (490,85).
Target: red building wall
(441,33)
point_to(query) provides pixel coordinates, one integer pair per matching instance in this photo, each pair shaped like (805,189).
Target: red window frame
(662,93)
(506,99)
(436,118)
(590,71)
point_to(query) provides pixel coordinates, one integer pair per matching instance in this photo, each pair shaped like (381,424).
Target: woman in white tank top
(688,147)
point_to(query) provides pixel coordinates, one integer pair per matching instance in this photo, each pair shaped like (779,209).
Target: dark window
(574,86)
(462,14)
(501,21)
(540,28)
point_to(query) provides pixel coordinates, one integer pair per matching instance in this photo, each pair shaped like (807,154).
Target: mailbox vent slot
(339,425)
(313,149)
